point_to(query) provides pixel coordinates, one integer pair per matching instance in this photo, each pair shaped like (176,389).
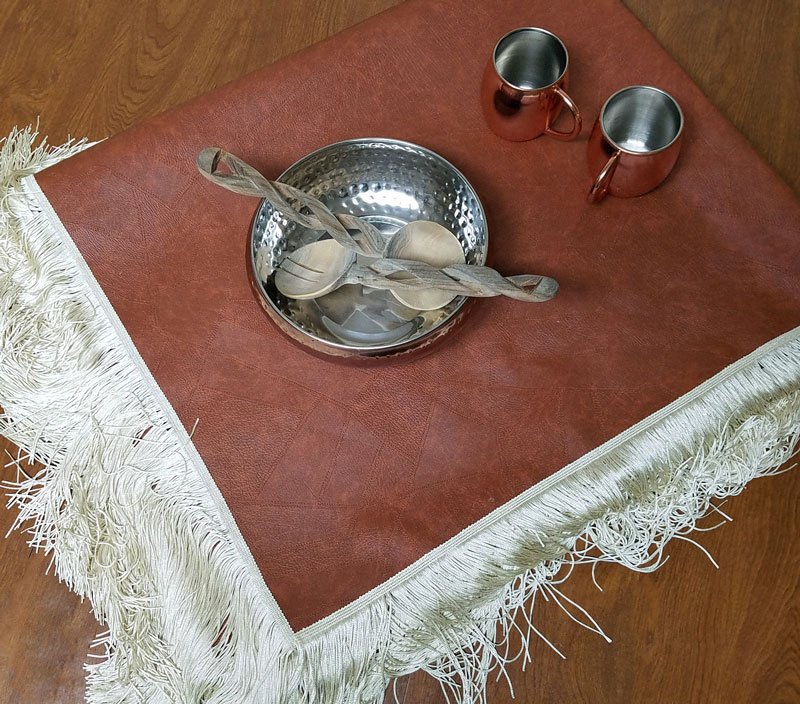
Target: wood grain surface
(688,633)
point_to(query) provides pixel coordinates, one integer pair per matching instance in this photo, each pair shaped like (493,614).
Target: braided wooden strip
(246,180)
(462,279)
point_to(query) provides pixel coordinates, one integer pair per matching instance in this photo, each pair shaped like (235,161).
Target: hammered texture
(389,183)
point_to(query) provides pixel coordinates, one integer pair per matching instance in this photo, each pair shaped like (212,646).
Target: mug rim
(529,29)
(630,151)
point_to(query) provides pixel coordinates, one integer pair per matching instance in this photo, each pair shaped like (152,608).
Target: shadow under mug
(524,86)
(634,143)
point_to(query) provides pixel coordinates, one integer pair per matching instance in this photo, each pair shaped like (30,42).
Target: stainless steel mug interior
(530,58)
(524,86)
(641,119)
(634,143)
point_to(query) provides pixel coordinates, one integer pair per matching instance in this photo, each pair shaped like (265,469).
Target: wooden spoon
(313,270)
(320,267)
(429,242)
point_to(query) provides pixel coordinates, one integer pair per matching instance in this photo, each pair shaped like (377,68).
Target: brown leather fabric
(339,477)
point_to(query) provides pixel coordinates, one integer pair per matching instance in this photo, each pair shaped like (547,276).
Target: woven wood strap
(463,279)
(248,181)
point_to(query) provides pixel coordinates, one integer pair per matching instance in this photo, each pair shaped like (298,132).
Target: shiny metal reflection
(641,119)
(635,142)
(389,183)
(530,58)
(524,86)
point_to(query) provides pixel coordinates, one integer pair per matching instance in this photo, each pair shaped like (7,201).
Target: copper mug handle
(577,122)
(601,185)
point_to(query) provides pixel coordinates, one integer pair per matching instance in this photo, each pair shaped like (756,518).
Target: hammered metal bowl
(389,183)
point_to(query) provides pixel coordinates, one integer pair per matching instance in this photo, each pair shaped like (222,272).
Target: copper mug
(524,86)
(634,143)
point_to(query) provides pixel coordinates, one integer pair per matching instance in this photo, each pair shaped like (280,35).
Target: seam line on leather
(309,633)
(31,186)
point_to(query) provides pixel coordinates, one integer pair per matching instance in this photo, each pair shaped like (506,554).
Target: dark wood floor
(689,633)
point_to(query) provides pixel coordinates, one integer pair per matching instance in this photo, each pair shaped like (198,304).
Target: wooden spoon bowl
(429,242)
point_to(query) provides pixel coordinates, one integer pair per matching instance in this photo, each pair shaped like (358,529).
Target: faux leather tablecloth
(339,477)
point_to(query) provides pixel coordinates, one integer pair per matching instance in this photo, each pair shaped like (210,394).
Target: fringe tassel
(119,506)
(125,511)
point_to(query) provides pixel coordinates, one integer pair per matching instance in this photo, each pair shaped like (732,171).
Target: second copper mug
(634,143)
(524,86)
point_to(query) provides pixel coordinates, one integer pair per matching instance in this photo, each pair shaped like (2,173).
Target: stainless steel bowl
(389,183)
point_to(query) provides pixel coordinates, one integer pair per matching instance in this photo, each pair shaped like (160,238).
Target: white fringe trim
(119,505)
(124,504)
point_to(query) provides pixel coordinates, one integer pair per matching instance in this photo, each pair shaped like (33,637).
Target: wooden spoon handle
(462,279)
(246,180)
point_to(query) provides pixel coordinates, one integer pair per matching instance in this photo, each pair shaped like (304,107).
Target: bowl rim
(356,350)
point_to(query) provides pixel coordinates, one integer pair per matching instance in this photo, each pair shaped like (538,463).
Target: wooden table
(688,633)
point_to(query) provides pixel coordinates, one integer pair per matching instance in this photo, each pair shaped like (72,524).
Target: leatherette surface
(339,477)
